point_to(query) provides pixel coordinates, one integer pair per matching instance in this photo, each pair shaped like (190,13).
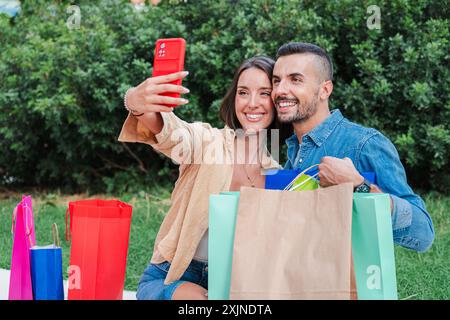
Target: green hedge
(61,89)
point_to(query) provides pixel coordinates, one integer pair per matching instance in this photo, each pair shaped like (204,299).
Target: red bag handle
(69,227)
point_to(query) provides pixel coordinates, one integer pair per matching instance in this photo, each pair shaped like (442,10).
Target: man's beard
(304,111)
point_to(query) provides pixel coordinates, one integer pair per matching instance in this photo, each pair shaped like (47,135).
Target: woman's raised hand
(146,96)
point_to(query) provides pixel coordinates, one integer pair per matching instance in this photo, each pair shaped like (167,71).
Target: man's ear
(326,90)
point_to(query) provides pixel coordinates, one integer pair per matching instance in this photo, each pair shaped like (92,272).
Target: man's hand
(333,171)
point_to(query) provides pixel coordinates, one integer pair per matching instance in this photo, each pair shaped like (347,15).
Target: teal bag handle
(222,222)
(373,247)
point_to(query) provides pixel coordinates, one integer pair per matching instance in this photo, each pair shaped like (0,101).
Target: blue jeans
(152,287)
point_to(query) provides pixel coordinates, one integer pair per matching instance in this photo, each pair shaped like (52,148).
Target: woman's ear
(326,90)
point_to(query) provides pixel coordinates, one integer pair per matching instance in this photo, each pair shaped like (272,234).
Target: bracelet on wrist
(125,103)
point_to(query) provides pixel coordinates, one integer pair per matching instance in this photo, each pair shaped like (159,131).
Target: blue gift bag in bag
(46,270)
(373,247)
(280,179)
(222,222)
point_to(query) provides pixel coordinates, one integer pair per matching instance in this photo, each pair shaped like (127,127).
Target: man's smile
(284,105)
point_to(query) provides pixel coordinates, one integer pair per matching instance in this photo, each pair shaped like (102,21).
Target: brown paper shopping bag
(293,245)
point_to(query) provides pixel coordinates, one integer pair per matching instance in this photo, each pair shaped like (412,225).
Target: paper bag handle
(56,240)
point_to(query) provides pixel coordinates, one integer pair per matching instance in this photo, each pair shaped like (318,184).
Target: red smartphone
(169,58)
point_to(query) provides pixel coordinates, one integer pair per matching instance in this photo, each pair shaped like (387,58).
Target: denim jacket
(370,151)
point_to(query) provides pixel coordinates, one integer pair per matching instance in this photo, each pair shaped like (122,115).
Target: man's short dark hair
(302,47)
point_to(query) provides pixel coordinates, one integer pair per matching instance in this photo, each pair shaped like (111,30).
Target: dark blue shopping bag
(46,270)
(279,179)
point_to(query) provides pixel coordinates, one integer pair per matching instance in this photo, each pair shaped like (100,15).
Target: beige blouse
(205,155)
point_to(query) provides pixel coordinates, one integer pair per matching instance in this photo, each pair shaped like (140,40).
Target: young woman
(211,161)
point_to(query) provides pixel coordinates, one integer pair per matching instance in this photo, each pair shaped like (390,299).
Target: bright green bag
(373,247)
(305,181)
(222,221)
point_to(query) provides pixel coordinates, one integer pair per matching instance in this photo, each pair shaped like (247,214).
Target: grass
(427,275)
(419,275)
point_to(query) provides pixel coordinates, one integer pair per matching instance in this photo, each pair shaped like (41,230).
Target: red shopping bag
(20,287)
(99,231)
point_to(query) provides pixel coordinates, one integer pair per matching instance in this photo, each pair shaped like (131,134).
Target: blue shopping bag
(46,270)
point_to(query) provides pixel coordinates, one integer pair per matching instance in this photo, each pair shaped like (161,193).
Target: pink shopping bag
(20,287)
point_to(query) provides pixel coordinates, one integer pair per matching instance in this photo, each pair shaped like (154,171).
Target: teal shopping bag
(222,221)
(373,247)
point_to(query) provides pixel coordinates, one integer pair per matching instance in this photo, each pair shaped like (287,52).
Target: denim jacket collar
(320,133)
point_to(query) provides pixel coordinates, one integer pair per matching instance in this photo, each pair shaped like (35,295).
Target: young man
(302,83)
